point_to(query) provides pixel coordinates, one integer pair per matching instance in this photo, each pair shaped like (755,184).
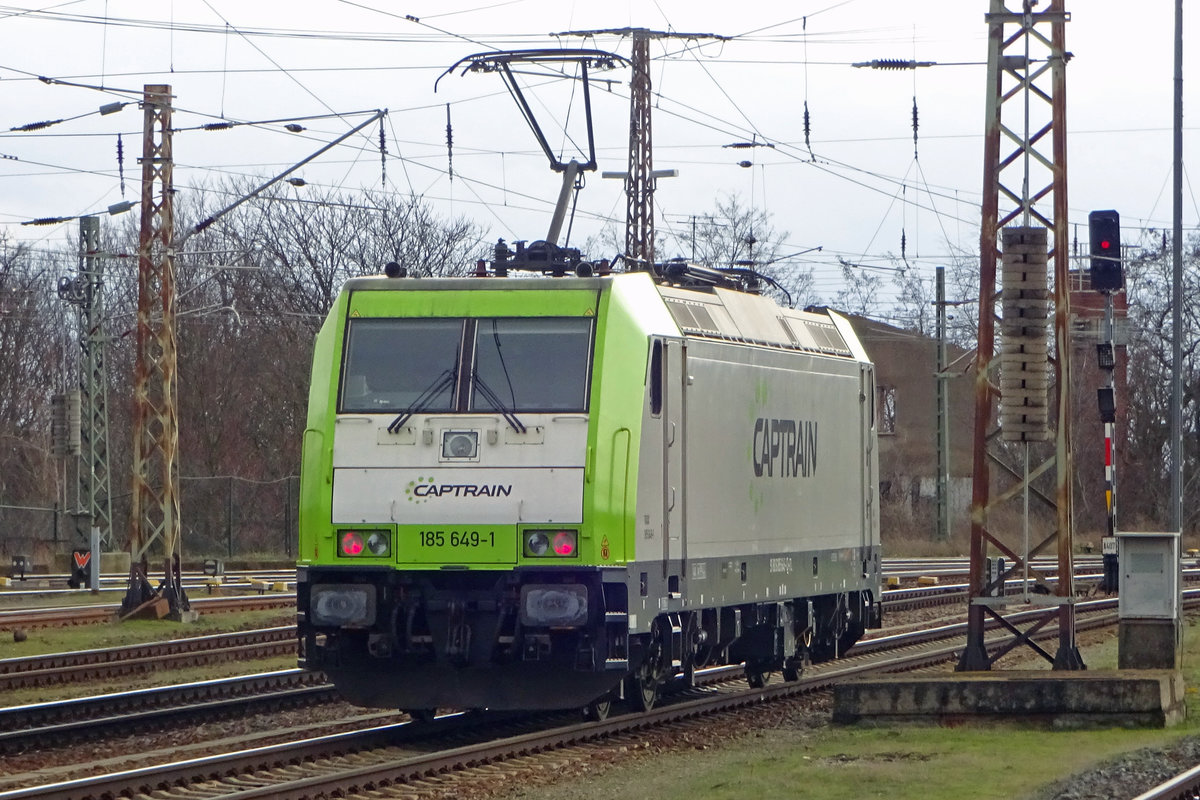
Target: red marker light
(564,543)
(352,543)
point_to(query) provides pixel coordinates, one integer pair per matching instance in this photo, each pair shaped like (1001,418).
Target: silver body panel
(757,480)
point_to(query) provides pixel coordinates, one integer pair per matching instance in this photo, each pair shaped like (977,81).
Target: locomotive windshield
(527,364)
(390,363)
(533,364)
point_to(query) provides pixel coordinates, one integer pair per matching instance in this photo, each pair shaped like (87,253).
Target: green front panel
(472,302)
(316,462)
(627,309)
(629,313)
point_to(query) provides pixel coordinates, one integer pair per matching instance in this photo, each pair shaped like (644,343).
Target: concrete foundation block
(1142,698)
(1150,644)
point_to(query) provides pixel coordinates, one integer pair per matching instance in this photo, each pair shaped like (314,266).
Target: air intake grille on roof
(812,335)
(827,337)
(787,330)
(692,316)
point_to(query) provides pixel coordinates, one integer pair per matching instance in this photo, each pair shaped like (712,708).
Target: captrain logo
(420,490)
(786,448)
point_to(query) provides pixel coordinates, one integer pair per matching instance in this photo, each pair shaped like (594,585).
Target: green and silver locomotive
(550,492)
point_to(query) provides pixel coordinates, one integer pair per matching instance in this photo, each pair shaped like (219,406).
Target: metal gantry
(639,182)
(93,500)
(155,505)
(1026,76)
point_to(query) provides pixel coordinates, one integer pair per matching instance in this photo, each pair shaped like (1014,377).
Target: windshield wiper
(443,382)
(495,402)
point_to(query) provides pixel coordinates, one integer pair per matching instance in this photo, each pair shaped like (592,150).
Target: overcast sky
(854,189)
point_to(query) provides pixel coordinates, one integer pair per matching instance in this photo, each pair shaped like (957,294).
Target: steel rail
(58,668)
(1184,786)
(140,709)
(61,616)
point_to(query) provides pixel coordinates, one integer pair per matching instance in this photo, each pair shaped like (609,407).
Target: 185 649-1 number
(457,538)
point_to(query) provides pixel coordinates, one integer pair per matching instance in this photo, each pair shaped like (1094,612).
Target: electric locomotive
(551,492)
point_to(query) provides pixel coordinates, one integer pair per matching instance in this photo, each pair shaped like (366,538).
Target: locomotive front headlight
(364,543)
(379,543)
(342,605)
(537,543)
(554,605)
(460,445)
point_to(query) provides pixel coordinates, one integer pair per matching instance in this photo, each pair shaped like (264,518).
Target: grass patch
(992,761)
(10,600)
(90,637)
(850,764)
(162,677)
(137,631)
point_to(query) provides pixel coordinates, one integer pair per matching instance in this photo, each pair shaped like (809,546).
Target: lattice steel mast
(155,504)
(1019,65)
(86,292)
(639,180)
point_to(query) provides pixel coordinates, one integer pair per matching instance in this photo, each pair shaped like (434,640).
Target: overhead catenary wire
(841,169)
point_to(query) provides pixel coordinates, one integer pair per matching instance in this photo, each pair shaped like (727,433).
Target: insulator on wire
(36,126)
(1026,304)
(807,128)
(915,126)
(121,163)
(903,246)
(382,154)
(449,144)
(893,63)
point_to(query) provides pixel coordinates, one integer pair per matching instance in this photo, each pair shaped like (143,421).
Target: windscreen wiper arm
(495,402)
(444,381)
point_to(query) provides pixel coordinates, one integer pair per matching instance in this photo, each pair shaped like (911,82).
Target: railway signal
(1104,228)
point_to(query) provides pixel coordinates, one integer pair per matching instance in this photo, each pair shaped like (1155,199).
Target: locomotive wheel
(757,672)
(598,710)
(794,666)
(645,680)
(645,692)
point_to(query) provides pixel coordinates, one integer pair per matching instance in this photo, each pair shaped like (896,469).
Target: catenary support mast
(155,504)
(1025,188)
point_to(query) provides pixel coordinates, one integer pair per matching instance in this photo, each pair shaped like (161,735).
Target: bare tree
(860,294)
(1143,448)
(251,289)
(34,327)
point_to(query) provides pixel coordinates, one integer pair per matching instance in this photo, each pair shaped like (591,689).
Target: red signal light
(1105,244)
(564,543)
(352,543)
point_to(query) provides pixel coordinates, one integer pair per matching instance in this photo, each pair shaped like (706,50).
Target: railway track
(116,662)
(88,724)
(66,616)
(388,755)
(1184,786)
(63,722)
(342,762)
(139,659)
